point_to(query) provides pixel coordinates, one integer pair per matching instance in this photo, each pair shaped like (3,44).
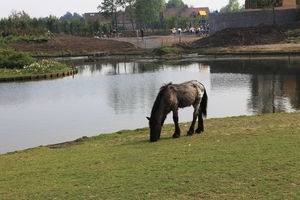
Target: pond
(112,95)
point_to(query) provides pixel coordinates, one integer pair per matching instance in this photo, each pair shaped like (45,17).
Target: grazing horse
(174,96)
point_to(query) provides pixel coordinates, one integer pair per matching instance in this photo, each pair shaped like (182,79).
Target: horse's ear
(148,118)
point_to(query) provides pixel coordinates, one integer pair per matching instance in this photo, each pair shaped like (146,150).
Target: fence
(219,21)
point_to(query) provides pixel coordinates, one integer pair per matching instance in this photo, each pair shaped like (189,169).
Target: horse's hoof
(153,139)
(199,131)
(190,133)
(176,136)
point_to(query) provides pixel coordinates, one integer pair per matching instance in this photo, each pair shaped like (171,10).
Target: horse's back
(186,93)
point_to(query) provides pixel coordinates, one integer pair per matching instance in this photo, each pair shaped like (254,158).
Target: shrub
(13,59)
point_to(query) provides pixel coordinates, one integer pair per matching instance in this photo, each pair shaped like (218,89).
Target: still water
(110,95)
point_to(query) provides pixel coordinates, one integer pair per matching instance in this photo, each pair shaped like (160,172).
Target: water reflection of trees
(126,93)
(275,83)
(116,67)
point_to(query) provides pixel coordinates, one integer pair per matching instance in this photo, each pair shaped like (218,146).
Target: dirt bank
(261,39)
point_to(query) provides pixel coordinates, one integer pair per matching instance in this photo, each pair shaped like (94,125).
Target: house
(193,13)
(122,19)
(187,12)
(279,5)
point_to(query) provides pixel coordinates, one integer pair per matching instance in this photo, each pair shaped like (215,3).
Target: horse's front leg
(162,123)
(177,129)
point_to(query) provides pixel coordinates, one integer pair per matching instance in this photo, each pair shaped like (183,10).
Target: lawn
(42,67)
(246,157)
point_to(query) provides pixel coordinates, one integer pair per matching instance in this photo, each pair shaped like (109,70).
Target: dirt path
(152,42)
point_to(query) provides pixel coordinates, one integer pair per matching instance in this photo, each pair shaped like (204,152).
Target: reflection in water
(274,83)
(108,96)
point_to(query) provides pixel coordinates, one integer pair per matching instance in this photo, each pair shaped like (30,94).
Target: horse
(174,96)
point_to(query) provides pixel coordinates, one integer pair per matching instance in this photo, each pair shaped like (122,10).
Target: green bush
(12,59)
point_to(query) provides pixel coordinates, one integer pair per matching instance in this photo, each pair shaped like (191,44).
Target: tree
(96,26)
(64,25)
(68,16)
(52,24)
(176,4)
(130,11)
(233,6)
(149,12)
(109,8)
(170,22)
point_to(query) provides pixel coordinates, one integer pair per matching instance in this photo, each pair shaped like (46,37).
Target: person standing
(142,34)
(179,31)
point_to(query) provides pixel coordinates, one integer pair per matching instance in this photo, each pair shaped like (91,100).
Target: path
(151,42)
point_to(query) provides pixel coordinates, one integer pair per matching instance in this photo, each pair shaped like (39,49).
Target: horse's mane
(159,97)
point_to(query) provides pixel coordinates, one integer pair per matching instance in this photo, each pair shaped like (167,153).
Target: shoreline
(69,143)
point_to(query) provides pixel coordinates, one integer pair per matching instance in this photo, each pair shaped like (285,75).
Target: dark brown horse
(174,96)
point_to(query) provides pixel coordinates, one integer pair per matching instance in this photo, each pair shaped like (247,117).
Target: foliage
(21,25)
(247,157)
(41,67)
(108,9)
(170,22)
(144,13)
(12,59)
(148,12)
(52,23)
(233,6)
(130,10)
(167,50)
(176,4)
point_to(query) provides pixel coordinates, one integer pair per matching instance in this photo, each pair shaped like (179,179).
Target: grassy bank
(253,157)
(42,67)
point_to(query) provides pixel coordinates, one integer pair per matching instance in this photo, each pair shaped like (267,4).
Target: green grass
(256,157)
(167,50)
(42,67)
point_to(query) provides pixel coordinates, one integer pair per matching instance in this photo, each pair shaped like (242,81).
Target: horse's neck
(158,111)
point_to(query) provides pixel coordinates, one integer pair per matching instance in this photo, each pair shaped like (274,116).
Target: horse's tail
(203,104)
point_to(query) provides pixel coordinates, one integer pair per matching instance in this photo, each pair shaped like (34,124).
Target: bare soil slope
(263,34)
(79,45)
(263,38)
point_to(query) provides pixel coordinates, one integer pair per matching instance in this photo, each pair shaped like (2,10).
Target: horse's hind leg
(177,129)
(192,127)
(200,123)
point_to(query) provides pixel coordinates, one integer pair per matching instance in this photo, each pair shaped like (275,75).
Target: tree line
(142,13)
(20,23)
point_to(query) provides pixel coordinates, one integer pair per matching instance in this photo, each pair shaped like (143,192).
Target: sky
(58,8)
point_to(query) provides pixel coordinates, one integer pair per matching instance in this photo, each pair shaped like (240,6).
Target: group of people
(111,34)
(201,30)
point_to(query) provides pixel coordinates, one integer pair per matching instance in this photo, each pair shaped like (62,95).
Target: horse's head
(155,129)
